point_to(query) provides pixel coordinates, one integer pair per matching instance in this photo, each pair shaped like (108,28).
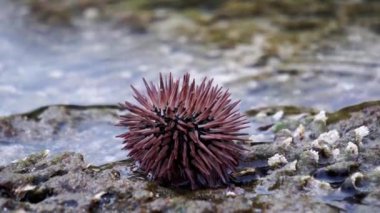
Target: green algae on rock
(224,24)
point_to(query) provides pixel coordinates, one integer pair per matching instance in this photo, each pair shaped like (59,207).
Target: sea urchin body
(183,133)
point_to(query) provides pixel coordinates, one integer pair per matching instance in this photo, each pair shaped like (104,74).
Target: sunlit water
(92,65)
(96,63)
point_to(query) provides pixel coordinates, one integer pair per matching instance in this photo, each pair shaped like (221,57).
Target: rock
(296,167)
(200,206)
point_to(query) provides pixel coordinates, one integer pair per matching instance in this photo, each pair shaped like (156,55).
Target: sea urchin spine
(183,133)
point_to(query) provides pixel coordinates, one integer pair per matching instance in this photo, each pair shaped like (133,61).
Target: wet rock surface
(315,162)
(89,130)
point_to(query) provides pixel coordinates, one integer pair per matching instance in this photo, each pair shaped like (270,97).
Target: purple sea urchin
(184,134)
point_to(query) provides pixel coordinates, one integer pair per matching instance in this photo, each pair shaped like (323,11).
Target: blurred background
(314,54)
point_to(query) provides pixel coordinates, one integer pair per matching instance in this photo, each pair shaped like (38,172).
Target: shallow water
(96,63)
(92,64)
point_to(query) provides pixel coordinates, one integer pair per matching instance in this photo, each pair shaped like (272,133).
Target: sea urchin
(184,134)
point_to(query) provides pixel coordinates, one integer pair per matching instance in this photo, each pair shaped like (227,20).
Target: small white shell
(278,115)
(314,154)
(315,144)
(25,188)
(292,166)
(287,142)
(299,132)
(98,195)
(352,149)
(360,133)
(356,175)
(277,159)
(230,194)
(321,116)
(336,153)
(330,137)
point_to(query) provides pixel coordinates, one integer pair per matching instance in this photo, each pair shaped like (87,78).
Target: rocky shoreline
(325,161)
(277,55)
